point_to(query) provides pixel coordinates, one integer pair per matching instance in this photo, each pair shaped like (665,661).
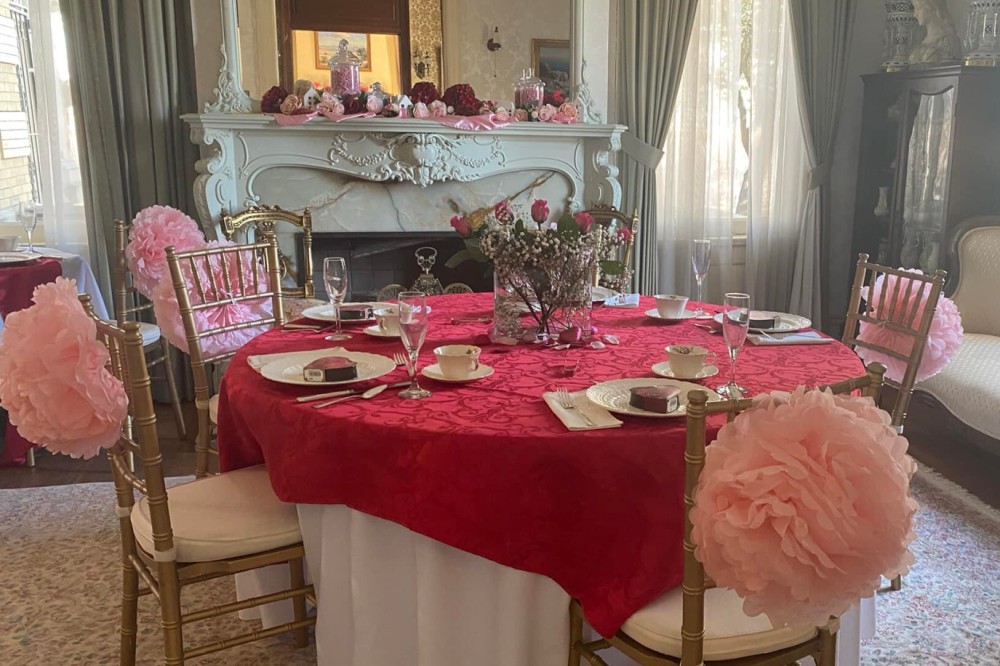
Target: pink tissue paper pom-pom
(943,338)
(168,315)
(53,376)
(153,230)
(803,505)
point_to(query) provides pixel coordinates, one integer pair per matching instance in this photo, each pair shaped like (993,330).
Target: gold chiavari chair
(218,289)
(914,323)
(129,304)
(697,623)
(613,219)
(199,531)
(259,219)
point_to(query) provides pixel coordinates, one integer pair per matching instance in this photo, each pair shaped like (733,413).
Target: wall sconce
(493,45)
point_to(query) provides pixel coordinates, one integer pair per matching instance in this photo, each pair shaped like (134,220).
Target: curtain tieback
(642,152)
(819,175)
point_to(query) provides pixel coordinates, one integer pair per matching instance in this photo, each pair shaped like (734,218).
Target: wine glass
(335,277)
(413,331)
(735,323)
(701,261)
(28,215)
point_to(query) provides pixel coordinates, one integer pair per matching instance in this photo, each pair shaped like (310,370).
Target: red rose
(461,225)
(353,104)
(272,99)
(540,211)
(462,98)
(424,91)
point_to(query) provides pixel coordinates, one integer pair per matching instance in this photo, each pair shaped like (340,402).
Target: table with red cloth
(487,468)
(17,284)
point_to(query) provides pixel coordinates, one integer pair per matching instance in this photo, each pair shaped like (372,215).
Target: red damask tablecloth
(487,468)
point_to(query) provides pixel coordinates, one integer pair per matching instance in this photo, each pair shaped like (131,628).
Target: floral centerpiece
(543,267)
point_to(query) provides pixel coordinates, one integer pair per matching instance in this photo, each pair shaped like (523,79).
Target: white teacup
(688,360)
(387,320)
(8,243)
(671,306)
(457,361)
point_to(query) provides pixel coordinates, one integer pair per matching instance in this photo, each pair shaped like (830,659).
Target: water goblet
(27,213)
(413,332)
(701,261)
(335,278)
(735,324)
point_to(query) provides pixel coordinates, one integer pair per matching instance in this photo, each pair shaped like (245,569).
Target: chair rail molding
(238,148)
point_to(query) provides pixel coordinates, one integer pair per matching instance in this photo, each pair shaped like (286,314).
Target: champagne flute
(735,323)
(28,215)
(335,278)
(412,332)
(701,261)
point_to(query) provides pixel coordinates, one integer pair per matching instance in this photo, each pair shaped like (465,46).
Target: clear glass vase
(568,317)
(508,306)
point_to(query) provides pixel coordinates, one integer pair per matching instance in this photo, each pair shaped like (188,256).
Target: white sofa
(969,387)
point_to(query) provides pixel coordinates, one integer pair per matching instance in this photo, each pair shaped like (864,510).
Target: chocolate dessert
(658,399)
(330,369)
(762,320)
(356,311)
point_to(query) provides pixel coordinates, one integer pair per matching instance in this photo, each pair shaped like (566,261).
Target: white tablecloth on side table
(391,597)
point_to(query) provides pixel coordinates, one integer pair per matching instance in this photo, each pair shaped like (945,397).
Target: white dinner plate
(325,312)
(17,258)
(376,332)
(601,294)
(655,314)
(288,368)
(663,369)
(434,372)
(614,395)
(787,323)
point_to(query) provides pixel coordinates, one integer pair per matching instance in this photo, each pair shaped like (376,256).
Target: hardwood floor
(56,470)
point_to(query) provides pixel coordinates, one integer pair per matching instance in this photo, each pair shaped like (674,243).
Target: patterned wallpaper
(425,40)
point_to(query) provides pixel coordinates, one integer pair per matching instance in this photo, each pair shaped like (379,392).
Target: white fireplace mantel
(239,149)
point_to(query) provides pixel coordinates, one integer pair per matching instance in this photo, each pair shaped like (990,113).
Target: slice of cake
(330,369)
(658,399)
(762,319)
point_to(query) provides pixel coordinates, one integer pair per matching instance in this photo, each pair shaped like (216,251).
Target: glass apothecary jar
(345,71)
(529,91)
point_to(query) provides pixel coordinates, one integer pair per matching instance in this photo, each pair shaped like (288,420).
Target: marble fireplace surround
(385,176)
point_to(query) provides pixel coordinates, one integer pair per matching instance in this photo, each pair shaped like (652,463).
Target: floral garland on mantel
(422,102)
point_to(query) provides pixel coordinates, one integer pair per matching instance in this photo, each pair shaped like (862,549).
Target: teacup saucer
(655,314)
(434,372)
(375,331)
(663,369)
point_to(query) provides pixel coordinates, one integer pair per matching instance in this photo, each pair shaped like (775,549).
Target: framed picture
(551,62)
(358,43)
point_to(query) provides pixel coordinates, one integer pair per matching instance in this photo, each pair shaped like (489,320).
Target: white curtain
(728,174)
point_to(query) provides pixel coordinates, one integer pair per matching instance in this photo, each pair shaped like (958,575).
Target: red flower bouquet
(272,99)
(462,98)
(424,91)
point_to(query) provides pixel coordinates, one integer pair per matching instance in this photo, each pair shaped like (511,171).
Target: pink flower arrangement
(291,104)
(569,110)
(420,110)
(503,212)
(461,225)
(585,221)
(546,112)
(374,103)
(803,505)
(502,114)
(521,115)
(540,210)
(153,230)
(438,109)
(943,338)
(54,380)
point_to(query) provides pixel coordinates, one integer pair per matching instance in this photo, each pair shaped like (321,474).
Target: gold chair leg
(298,579)
(203,441)
(31,457)
(175,400)
(828,648)
(896,584)
(170,609)
(130,606)
(575,633)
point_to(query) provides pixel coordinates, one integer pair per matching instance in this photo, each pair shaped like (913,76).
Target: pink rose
(291,104)
(461,225)
(502,114)
(569,110)
(625,233)
(584,220)
(540,210)
(328,99)
(374,104)
(546,113)
(438,109)
(520,115)
(420,110)
(503,212)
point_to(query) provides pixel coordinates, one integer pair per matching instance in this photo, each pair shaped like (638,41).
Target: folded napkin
(622,301)
(572,419)
(799,338)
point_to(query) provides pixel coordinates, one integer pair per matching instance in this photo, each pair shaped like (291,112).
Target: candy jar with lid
(345,71)
(529,90)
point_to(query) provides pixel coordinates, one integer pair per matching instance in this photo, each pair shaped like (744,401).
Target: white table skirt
(390,597)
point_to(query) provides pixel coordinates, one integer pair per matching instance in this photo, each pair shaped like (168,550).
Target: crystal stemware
(413,332)
(335,278)
(735,324)
(28,215)
(701,261)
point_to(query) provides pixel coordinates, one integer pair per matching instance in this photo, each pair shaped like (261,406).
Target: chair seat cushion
(729,633)
(968,385)
(213,409)
(150,333)
(221,517)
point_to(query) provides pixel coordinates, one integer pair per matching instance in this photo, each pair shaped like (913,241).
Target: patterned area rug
(59,587)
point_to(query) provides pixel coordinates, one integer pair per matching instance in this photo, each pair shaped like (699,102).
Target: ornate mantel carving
(237,148)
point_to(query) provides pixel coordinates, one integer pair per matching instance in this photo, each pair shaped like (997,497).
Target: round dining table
(454,529)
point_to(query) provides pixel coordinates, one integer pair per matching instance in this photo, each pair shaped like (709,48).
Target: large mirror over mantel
(401,42)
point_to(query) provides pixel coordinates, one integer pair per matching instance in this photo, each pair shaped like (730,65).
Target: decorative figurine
(427,283)
(941,44)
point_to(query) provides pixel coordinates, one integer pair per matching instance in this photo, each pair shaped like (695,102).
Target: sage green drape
(654,37)
(821,32)
(132,75)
